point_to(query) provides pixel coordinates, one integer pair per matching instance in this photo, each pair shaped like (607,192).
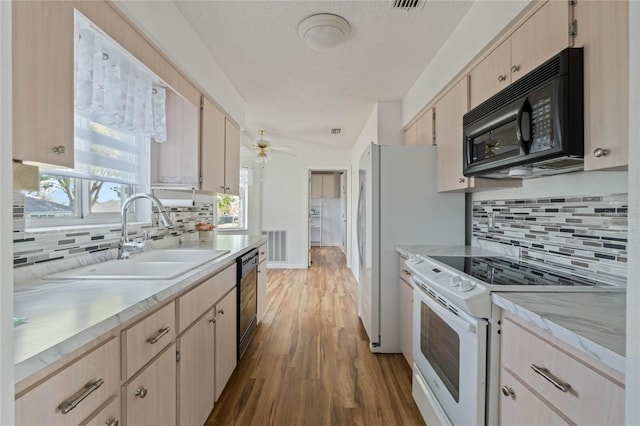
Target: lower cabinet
(109,415)
(196,371)
(226,339)
(150,397)
(546,381)
(262,290)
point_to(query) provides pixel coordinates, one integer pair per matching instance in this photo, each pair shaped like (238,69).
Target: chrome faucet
(126,247)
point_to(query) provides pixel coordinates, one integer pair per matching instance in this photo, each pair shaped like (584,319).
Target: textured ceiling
(297,94)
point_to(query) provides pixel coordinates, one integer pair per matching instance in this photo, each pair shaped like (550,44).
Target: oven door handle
(463,323)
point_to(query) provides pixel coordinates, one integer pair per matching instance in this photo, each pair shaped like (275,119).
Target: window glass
(57,198)
(231,210)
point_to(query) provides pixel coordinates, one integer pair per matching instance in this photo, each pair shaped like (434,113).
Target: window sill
(92,227)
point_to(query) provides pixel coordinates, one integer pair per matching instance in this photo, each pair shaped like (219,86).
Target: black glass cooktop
(508,271)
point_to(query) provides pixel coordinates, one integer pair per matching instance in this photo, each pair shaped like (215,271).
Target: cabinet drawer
(594,396)
(404,271)
(204,296)
(107,416)
(520,405)
(42,405)
(147,338)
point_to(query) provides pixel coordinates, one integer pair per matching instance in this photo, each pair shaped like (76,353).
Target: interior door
(309,261)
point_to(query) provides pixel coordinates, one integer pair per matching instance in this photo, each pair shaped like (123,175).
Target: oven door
(449,350)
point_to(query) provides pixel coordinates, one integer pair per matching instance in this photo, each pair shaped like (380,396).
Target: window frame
(244,205)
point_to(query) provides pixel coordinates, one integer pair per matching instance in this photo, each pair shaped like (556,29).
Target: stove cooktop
(502,271)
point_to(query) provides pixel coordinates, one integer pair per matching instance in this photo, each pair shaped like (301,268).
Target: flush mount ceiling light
(324,31)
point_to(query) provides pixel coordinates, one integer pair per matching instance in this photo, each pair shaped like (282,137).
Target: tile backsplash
(37,246)
(582,233)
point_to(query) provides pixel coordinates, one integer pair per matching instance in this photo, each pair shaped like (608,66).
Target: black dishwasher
(247,299)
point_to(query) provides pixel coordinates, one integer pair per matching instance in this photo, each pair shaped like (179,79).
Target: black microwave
(533,127)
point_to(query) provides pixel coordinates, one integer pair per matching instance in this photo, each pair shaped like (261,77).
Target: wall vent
(276,246)
(407,4)
(336,132)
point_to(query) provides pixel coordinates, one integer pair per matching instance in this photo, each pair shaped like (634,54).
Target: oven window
(440,345)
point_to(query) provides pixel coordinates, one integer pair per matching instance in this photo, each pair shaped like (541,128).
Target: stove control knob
(455,281)
(466,285)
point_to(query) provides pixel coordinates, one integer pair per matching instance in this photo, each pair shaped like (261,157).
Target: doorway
(328,210)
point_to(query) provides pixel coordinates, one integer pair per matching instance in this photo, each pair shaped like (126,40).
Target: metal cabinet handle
(600,152)
(161,333)
(564,387)
(261,253)
(404,271)
(60,149)
(460,180)
(141,392)
(88,389)
(506,391)
(212,320)
(112,422)
(515,68)
(501,78)
(221,311)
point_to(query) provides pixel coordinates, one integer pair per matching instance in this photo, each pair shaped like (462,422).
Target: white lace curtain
(116,89)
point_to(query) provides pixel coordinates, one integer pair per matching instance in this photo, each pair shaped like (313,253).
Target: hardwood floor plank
(309,362)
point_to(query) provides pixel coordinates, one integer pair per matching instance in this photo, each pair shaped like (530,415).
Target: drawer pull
(159,335)
(506,391)
(404,271)
(112,422)
(88,389)
(564,387)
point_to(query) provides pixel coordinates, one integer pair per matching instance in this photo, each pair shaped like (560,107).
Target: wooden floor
(309,362)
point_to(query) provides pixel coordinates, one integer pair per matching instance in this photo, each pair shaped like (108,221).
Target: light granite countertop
(64,315)
(457,250)
(591,322)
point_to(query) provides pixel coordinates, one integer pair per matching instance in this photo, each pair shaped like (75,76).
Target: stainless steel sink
(156,264)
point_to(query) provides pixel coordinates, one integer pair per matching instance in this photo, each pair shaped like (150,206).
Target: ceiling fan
(263,148)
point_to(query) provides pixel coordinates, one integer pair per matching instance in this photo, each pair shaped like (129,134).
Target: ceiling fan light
(324,31)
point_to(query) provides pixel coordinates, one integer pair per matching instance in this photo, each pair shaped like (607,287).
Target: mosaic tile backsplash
(40,246)
(582,233)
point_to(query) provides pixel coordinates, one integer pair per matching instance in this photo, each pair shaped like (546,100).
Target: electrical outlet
(490,221)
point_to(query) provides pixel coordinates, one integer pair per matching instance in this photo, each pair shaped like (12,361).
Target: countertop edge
(56,356)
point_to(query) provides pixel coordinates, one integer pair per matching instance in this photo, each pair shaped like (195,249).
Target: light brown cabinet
(585,390)
(150,396)
(226,334)
(75,392)
(219,151)
(421,132)
(539,38)
(603,31)
(405,312)
(324,186)
(42,63)
(451,107)
(109,415)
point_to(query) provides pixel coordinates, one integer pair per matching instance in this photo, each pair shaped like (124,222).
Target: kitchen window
(231,212)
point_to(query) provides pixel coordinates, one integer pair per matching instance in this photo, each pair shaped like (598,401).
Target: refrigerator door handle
(359,224)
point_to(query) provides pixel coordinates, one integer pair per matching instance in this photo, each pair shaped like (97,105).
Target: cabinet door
(603,31)
(178,159)
(424,129)
(107,416)
(521,406)
(542,36)
(405,310)
(489,76)
(450,109)
(316,186)
(150,398)
(196,371)
(411,134)
(42,61)
(329,186)
(232,158)
(226,339)
(212,147)
(262,289)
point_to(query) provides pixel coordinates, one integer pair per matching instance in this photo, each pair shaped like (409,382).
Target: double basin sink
(151,265)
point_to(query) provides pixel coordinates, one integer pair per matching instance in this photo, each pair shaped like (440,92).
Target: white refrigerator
(398,204)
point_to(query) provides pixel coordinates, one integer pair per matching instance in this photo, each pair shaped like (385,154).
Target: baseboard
(286,266)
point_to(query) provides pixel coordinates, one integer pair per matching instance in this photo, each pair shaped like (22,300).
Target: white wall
(6,216)
(633,273)
(286,194)
(163,23)
(480,25)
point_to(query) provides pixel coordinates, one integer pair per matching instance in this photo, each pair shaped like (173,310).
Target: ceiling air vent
(336,132)
(407,4)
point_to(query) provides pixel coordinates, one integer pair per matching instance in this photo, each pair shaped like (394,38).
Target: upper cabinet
(421,132)
(42,60)
(219,152)
(540,37)
(324,186)
(603,31)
